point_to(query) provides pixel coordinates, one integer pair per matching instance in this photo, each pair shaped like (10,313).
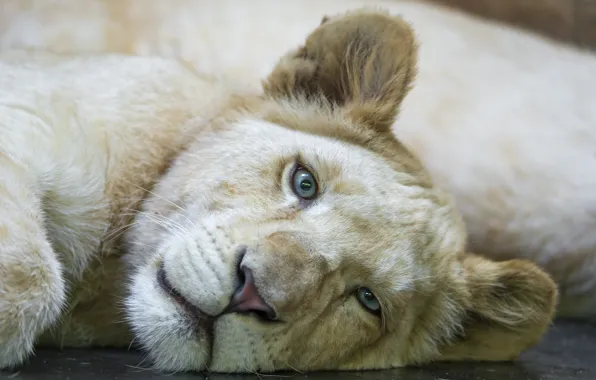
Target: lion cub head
(296,232)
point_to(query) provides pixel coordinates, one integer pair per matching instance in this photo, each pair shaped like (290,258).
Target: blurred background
(572,21)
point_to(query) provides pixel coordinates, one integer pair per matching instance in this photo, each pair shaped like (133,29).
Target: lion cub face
(297,233)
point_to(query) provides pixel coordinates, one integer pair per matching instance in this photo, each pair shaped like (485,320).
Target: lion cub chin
(287,229)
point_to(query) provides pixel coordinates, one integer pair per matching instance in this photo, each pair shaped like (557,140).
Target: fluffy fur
(502,119)
(200,178)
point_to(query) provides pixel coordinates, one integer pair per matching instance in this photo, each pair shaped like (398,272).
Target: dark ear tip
(324,20)
(537,280)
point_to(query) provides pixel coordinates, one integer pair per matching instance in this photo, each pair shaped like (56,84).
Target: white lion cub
(287,229)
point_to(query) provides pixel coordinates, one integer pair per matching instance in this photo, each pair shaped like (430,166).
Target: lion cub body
(487,119)
(142,201)
(67,136)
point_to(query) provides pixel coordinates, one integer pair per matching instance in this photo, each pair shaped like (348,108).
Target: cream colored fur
(503,119)
(193,171)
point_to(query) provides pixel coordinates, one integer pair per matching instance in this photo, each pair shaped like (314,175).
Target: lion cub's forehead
(350,169)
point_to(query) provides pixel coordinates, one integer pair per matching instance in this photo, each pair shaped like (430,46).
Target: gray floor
(568,352)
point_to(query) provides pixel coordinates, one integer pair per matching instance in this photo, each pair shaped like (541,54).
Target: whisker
(118,232)
(143,360)
(173,225)
(293,369)
(173,222)
(182,209)
(166,223)
(134,339)
(156,195)
(138,368)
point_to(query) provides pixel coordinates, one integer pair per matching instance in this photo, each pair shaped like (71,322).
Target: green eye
(368,300)
(304,184)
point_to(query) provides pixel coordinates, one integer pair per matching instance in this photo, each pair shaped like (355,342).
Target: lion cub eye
(304,183)
(368,300)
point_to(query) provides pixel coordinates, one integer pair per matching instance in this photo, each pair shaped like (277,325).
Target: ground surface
(568,352)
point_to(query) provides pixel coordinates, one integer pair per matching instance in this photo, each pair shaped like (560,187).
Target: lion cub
(287,229)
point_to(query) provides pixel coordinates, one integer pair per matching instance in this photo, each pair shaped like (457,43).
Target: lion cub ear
(363,61)
(509,307)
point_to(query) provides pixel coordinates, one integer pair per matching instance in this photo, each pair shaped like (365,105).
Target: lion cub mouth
(197,316)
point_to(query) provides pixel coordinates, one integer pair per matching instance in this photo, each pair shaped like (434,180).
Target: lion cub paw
(31,299)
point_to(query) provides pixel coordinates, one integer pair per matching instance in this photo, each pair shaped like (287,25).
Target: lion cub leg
(32,290)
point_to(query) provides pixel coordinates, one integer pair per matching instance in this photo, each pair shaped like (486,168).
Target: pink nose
(247,299)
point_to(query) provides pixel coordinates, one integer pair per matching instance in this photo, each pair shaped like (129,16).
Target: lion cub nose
(247,299)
